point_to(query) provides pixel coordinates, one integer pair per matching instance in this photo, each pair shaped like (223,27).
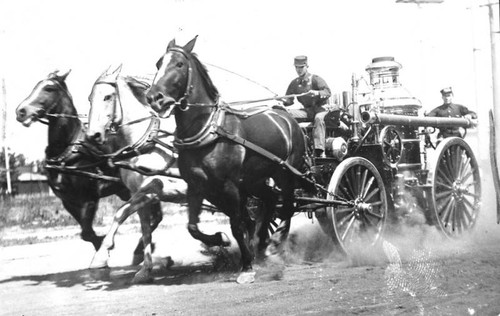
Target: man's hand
(313,93)
(472,121)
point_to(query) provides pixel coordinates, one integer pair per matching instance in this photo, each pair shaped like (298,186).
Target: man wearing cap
(450,109)
(314,94)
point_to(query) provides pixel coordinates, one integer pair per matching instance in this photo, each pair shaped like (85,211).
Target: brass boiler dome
(390,96)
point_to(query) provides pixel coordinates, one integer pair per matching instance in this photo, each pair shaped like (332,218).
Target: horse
(123,127)
(226,155)
(51,103)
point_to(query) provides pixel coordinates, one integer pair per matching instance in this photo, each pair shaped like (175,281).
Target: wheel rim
(363,221)
(456,190)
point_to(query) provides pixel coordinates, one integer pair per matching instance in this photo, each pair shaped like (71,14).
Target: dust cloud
(308,243)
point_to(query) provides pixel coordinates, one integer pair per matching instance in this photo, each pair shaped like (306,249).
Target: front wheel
(361,221)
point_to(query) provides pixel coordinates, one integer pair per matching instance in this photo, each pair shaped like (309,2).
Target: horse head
(105,111)
(44,99)
(176,80)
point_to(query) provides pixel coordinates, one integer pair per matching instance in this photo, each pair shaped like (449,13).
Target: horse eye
(180,64)
(49,89)
(107,98)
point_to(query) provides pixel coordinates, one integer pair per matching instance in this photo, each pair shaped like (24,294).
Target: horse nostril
(21,113)
(149,99)
(159,96)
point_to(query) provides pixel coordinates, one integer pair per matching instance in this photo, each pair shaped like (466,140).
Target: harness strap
(248,144)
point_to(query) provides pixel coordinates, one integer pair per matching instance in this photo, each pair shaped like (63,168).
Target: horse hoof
(99,261)
(246,278)
(142,277)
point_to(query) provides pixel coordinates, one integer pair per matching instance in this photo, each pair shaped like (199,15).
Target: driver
(315,93)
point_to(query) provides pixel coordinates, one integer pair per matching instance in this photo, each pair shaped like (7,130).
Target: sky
(438,45)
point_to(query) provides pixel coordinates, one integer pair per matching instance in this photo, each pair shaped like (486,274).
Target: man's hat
(446,90)
(300,61)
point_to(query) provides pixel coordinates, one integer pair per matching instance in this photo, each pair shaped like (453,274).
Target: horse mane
(212,91)
(138,86)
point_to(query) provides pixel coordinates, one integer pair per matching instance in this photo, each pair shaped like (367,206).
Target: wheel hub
(459,189)
(360,207)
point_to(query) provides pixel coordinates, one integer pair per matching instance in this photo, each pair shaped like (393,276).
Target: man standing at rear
(314,96)
(450,109)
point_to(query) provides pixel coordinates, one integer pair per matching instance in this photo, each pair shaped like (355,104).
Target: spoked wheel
(456,187)
(362,220)
(392,145)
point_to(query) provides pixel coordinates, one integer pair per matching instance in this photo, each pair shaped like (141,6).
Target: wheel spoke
(449,213)
(467,176)
(472,194)
(444,175)
(449,168)
(349,186)
(344,210)
(446,212)
(370,182)
(449,187)
(348,228)
(345,218)
(371,194)
(442,194)
(466,210)
(363,180)
(464,168)
(455,157)
(458,217)
(374,214)
(345,192)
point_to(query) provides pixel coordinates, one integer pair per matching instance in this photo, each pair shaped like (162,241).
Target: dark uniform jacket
(312,104)
(451,110)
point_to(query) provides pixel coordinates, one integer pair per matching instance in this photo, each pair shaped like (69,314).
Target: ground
(414,272)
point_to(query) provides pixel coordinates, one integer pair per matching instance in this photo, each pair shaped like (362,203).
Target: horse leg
(139,200)
(194,210)
(277,240)
(84,214)
(240,230)
(101,257)
(156,218)
(144,274)
(264,217)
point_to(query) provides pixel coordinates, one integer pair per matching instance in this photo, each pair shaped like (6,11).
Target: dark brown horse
(227,155)
(50,102)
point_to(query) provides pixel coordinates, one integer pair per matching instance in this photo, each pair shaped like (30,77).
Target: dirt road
(435,277)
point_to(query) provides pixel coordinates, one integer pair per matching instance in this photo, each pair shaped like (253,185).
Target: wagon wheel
(456,187)
(392,145)
(361,222)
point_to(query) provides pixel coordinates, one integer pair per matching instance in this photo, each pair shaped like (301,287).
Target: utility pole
(495,59)
(4,136)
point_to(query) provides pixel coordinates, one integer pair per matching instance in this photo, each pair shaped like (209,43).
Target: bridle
(46,112)
(182,103)
(112,125)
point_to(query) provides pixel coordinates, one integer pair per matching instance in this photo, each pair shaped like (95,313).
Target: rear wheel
(361,221)
(456,187)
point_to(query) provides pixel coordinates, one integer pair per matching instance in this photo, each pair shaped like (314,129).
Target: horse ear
(64,75)
(171,44)
(190,45)
(118,69)
(116,72)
